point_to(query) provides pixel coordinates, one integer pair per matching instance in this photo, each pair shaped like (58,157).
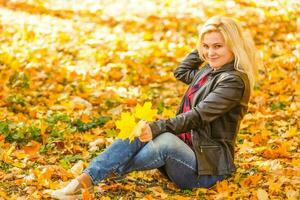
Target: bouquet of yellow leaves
(128,126)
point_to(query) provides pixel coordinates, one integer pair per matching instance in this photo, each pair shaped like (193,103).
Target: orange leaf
(21,117)
(257,139)
(73,75)
(32,148)
(251,180)
(86,195)
(261,137)
(2,137)
(85,118)
(130,101)
(222,186)
(115,74)
(46,174)
(280,152)
(32,113)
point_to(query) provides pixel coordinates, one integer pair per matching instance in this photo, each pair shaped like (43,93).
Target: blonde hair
(240,43)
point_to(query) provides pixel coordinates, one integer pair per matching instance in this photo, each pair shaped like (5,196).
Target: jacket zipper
(208,147)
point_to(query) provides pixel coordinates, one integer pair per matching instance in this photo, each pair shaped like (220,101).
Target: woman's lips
(212,59)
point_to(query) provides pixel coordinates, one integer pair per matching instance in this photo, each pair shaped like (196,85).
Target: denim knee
(167,140)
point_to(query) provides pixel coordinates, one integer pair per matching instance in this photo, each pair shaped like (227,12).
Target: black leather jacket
(217,110)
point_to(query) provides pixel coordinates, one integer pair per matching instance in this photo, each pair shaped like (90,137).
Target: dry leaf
(32,148)
(262,194)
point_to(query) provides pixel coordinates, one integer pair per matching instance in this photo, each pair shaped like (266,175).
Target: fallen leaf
(262,194)
(158,192)
(222,186)
(251,181)
(32,148)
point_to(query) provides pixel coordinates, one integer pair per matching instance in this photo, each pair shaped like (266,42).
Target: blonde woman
(195,148)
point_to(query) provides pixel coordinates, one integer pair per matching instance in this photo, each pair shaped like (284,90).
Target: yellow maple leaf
(126,125)
(145,112)
(137,130)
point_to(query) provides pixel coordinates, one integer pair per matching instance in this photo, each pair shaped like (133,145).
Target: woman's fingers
(146,134)
(144,139)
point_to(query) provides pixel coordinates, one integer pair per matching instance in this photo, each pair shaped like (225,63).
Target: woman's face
(215,51)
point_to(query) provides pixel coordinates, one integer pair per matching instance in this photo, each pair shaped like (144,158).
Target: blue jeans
(166,152)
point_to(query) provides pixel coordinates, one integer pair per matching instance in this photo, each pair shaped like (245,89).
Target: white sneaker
(72,191)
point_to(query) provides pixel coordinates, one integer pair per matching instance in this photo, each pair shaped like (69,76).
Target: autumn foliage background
(70,68)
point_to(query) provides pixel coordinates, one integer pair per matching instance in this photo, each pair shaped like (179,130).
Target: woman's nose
(211,52)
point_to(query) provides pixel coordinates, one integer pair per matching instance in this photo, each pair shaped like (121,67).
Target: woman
(195,148)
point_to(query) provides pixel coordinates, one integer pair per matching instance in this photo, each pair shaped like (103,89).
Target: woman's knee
(167,140)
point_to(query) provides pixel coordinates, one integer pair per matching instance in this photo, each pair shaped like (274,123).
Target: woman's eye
(205,46)
(218,46)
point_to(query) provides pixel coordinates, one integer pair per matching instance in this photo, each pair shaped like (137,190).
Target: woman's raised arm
(188,68)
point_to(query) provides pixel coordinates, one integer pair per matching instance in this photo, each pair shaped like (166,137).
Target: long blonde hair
(240,43)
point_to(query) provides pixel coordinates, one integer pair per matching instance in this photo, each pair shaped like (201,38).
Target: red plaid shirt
(187,137)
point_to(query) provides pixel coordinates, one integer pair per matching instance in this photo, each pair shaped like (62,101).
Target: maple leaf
(145,112)
(126,125)
(137,131)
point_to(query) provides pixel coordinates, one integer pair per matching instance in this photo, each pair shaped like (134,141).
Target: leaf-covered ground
(69,68)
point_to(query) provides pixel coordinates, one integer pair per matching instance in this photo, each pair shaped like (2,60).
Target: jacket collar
(208,70)
(224,68)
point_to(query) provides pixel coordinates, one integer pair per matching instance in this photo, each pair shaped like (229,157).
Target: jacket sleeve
(226,95)
(187,69)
